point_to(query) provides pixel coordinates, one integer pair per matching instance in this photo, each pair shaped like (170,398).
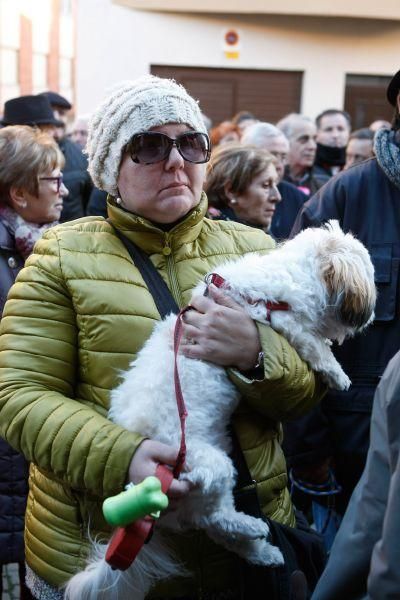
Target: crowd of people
(147,165)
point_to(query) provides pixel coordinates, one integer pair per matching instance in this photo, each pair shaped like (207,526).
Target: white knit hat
(134,107)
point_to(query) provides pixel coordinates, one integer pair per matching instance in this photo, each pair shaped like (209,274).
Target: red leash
(127,542)
(178,393)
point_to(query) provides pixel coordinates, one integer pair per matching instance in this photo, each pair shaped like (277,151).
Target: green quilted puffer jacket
(76,317)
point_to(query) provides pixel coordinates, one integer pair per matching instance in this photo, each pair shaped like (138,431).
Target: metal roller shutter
(269,95)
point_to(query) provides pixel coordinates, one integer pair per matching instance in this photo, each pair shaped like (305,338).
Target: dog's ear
(348,273)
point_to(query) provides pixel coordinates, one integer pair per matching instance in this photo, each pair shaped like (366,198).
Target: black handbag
(302,548)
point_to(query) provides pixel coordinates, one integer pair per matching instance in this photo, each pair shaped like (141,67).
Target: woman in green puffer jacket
(80,311)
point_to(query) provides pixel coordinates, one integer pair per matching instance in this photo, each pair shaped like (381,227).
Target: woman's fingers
(145,460)
(220,331)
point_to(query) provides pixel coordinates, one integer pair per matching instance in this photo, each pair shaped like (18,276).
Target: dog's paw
(271,555)
(201,478)
(239,526)
(261,552)
(343,382)
(337,380)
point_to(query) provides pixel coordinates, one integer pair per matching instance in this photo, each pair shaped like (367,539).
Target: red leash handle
(127,542)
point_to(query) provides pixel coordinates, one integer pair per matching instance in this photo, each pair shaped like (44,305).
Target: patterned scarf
(25,233)
(387,152)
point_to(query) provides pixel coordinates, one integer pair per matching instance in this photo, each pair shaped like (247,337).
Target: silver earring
(233,201)
(24,204)
(118,201)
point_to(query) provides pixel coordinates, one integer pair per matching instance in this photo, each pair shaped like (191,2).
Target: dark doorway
(269,95)
(365,99)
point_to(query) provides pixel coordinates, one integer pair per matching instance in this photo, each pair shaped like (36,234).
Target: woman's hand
(220,331)
(145,461)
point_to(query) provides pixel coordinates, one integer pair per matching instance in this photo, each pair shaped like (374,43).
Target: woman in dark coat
(31,199)
(241,185)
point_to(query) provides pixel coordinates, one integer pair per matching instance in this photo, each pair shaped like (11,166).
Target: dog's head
(346,269)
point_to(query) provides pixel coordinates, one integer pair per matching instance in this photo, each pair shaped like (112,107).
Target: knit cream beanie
(134,107)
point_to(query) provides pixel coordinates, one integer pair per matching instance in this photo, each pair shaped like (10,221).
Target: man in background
(301,133)
(76,177)
(360,147)
(333,131)
(269,137)
(80,131)
(366,201)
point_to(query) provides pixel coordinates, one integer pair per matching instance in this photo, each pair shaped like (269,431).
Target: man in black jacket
(366,201)
(76,177)
(333,130)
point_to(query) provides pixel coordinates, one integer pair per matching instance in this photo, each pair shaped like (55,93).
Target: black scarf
(329,156)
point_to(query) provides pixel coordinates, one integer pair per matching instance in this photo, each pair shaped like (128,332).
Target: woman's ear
(18,199)
(228,192)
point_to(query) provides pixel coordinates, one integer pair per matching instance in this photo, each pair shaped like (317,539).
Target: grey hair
(289,123)
(257,133)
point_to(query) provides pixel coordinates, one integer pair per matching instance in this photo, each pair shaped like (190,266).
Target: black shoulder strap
(245,494)
(155,283)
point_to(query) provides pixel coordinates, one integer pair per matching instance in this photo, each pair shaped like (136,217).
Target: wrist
(256,364)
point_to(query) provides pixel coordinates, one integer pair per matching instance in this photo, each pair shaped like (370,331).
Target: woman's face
(257,204)
(47,206)
(165,191)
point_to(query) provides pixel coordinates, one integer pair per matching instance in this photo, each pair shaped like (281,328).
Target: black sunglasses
(152,147)
(59,179)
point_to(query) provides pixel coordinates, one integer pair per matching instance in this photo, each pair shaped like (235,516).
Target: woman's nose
(275,195)
(174,160)
(63,190)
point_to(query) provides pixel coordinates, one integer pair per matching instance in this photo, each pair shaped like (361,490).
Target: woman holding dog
(79,313)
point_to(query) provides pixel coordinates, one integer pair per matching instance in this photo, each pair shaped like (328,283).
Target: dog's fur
(327,278)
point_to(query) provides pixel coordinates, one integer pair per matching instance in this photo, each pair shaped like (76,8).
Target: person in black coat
(333,131)
(366,201)
(31,199)
(76,176)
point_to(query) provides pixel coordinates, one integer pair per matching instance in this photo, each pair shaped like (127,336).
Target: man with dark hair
(366,201)
(61,108)
(333,130)
(360,147)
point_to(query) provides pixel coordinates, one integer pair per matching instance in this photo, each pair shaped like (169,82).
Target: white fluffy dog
(327,278)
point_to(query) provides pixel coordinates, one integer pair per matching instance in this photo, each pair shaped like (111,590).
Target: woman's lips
(174,185)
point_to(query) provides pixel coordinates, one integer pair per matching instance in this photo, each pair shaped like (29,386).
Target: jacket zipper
(171,272)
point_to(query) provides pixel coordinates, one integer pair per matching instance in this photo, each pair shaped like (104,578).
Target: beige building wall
(37,47)
(117,42)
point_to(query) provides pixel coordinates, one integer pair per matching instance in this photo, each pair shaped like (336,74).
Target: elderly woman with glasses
(80,313)
(31,197)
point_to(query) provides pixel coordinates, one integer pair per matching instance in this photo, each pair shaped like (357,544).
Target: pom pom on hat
(134,107)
